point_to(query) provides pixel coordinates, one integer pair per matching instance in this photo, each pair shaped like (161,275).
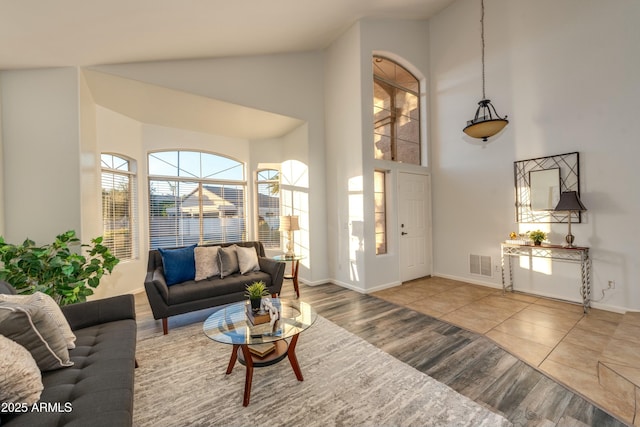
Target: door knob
(403,233)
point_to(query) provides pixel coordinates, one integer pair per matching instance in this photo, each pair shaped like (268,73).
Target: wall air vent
(480,265)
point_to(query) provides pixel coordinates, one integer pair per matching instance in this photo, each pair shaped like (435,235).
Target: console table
(578,255)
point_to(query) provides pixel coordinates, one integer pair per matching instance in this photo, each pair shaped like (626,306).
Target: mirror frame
(568,166)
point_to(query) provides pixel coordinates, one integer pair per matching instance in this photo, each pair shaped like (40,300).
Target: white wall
(41,162)
(343,146)
(566,73)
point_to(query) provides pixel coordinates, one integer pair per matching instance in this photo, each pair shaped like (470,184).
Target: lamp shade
(569,201)
(289,223)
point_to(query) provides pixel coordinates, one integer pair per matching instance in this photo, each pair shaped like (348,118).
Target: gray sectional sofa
(172,299)
(98,389)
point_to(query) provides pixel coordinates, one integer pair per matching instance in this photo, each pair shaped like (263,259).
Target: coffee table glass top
(230,325)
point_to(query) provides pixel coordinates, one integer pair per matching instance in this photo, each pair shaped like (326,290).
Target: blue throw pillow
(179,264)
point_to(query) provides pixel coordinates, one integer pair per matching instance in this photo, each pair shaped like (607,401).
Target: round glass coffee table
(230,325)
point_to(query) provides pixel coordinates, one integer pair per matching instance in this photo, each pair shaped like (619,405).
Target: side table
(295,264)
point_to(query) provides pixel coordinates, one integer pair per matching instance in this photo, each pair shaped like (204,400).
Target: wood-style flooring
(468,362)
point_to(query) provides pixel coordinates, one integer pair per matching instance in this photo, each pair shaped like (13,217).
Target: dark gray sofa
(190,296)
(99,385)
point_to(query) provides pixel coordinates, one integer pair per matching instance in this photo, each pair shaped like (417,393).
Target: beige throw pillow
(247,259)
(20,379)
(34,330)
(206,262)
(51,309)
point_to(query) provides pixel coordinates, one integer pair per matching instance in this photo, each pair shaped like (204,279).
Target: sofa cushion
(247,260)
(98,390)
(179,264)
(35,331)
(228,261)
(214,287)
(206,262)
(45,303)
(20,380)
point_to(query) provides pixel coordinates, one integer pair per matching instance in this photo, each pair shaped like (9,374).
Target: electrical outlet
(497,268)
(612,284)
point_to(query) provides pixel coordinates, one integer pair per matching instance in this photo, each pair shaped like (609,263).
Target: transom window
(268,200)
(195,197)
(396,110)
(119,230)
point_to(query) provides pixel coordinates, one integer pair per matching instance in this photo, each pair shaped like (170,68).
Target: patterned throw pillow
(20,379)
(179,264)
(31,328)
(247,259)
(206,262)
(50,308)
(228,261)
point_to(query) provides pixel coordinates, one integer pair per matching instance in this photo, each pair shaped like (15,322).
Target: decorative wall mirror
(539,183)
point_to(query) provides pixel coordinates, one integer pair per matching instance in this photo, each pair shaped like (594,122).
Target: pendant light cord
(482,38)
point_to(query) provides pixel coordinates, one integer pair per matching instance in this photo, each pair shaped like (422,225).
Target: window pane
(382,147)
(268,187)
(118,207)
(407,104)
(202,209)
(408,130)
(408,152)
(163,163)
(380,209)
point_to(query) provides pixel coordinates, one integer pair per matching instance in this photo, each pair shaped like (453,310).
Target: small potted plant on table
(537,236)
(255,291)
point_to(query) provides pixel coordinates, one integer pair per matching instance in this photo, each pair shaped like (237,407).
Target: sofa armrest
(90,313)
(275,269)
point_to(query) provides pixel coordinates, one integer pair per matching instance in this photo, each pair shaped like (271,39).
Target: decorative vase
(255,304)
(537,243)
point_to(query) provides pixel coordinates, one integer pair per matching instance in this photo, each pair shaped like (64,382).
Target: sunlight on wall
(540,265)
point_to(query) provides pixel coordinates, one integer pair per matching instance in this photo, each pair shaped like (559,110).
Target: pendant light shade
(486,122)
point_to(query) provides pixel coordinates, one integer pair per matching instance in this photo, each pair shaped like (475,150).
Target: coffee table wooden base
(242,354)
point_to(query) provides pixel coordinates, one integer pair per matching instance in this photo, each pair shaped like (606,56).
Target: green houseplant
(57,269)
(255,291)
(537,236)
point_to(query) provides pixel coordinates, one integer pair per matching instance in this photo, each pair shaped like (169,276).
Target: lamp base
(569,241)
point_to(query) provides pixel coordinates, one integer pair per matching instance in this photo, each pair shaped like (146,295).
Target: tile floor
(597,355)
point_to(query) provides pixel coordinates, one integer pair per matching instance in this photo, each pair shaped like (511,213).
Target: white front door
(414,214)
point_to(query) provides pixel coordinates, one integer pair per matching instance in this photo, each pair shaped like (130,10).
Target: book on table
(261,350)
(257,318)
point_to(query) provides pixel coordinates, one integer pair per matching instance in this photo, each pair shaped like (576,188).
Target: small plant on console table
(537,236)
(255,292)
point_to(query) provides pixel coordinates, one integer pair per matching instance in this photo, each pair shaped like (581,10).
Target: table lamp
(289,223)
(570,202)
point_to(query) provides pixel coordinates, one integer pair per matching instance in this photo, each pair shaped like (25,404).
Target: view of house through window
(379,189)
(268,201)
(195,197)
(396,109)
(118,206)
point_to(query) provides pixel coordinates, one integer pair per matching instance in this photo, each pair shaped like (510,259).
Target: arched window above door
(396,110)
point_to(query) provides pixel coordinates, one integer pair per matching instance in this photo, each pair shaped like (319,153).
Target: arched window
(396,110)
(195,197)
(119,212)
(268,201)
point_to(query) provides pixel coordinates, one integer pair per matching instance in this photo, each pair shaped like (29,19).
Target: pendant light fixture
(486,122)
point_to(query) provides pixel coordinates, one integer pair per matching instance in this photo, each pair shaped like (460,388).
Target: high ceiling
(46,33)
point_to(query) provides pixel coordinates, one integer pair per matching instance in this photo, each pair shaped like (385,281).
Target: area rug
(181,381)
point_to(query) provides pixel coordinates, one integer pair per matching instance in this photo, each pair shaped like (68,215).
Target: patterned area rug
(181,381)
